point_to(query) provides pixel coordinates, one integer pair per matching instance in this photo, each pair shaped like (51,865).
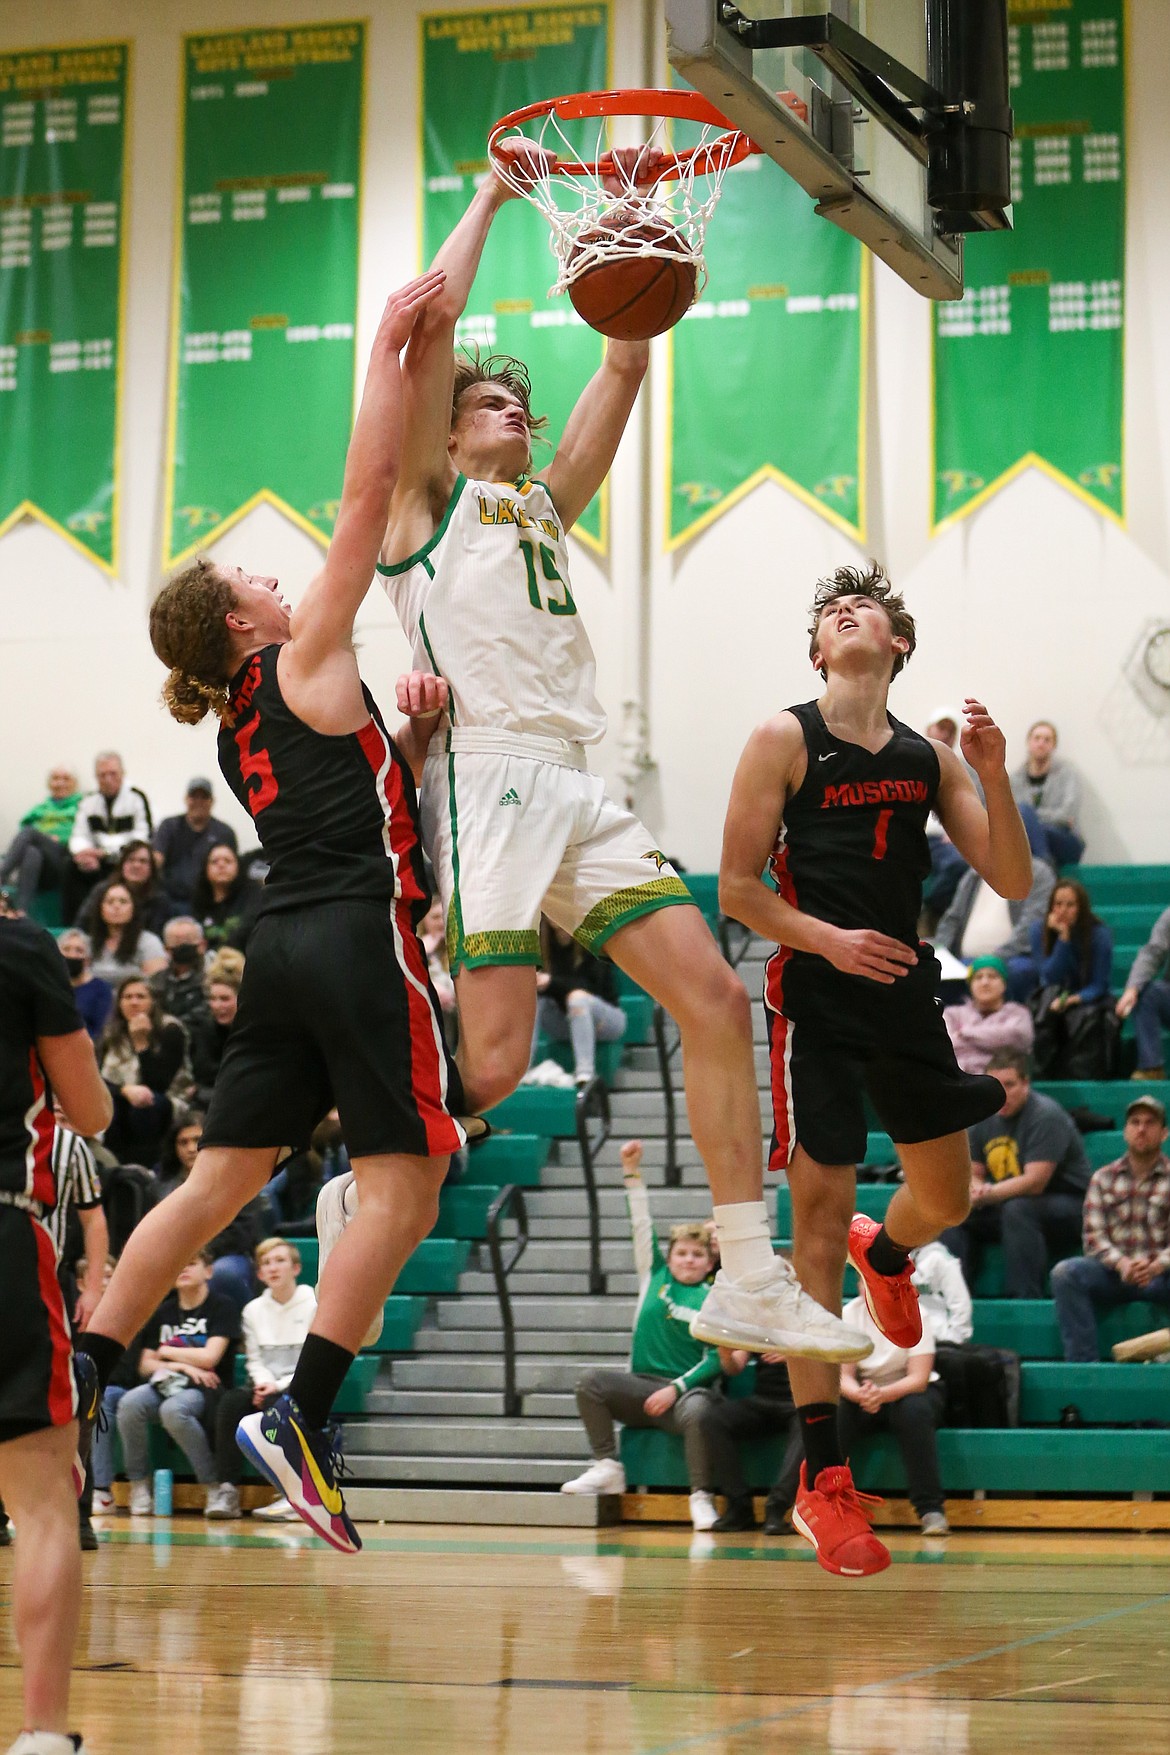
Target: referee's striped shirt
(78,1183)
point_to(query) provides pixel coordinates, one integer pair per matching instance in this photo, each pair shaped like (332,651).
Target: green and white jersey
(486,604)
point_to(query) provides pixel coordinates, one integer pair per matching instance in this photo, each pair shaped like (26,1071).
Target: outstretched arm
(323,622)
(594,430)
(992,840)
(755,812)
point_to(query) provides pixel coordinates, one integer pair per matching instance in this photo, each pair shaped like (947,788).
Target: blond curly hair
(189,633)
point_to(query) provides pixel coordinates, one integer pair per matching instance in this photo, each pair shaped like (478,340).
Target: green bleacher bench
(1027,1326)
(1108,1097)
(45,909)
(1109,884)
(463,1210)
(1130,920)
(639,1010)
(434,1267)
(704,887)
(537,1109)
(507,1157)
(1019,1460)
(1103,1395)
(402,1315)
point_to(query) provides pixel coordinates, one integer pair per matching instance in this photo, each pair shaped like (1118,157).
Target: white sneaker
(141,1502)
(606,1476)
(103,1503)
(703,1511)
(276,1512)
(46,1743)
(335,1208)
(770,1311)
(222,1501)
(934,1523)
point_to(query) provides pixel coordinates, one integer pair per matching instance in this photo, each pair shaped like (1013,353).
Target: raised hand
(872,954)
(524,165)
(421,695)
(632,1161)
(634,167)
(983,744)
(405,307)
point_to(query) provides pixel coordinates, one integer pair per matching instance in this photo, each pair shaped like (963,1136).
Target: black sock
(320,1372)
(104,1350)
(818,1431)
(887,1256)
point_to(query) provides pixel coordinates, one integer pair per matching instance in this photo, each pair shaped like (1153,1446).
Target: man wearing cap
(988,1020)
(1029,1174)
(183,843)
(1126,1233)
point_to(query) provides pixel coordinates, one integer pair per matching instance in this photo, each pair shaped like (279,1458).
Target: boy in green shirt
(665,1384)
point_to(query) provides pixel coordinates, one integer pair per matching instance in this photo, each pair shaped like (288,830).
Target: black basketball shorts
(337,1009)
(839,1038)
(36,1354)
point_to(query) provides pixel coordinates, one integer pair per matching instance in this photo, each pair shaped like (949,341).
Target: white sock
(745,1245)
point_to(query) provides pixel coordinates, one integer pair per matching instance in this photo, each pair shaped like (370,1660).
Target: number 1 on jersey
(881,834)
(548,563)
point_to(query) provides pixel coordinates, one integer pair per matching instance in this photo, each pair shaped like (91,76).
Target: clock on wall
(1156,658)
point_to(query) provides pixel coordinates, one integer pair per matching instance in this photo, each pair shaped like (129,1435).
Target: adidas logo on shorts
(511,796)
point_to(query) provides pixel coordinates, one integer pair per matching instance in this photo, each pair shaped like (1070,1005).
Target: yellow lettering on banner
(1028,11)
(515,32)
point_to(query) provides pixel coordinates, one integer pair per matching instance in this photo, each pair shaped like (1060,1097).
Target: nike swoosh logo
(827,758)
(817,1419)
(329,1496)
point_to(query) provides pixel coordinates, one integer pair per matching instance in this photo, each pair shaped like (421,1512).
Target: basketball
(631,298)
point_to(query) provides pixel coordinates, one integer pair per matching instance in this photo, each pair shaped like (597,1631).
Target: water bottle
(164,1492)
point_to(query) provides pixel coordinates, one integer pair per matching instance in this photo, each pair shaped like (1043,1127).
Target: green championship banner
(768,366)
(62,190)
(1028,365)
(476,67)
(266,277)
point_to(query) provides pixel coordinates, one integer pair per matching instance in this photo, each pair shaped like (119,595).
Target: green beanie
(996,963)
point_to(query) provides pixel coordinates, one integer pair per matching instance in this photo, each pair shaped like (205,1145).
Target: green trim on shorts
(512,945)
(623,906)
(420,554)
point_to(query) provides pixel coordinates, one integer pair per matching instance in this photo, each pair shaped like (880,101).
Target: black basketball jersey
(853,849)
(336,816)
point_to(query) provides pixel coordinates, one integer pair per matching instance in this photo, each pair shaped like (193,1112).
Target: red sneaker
(890,1298)
(835,1518)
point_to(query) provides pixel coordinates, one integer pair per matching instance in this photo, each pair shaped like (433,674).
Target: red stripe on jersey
(40,1183)
(427,1065)
(780,958)
(61,1396)
(400,835)
(783,1121)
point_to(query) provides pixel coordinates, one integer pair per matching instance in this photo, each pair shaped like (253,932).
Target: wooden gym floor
(443,1641)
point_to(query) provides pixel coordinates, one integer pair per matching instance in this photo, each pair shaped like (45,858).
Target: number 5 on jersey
(548,562)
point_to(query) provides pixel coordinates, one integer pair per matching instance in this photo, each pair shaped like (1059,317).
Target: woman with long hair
(1065,980)
(122,943)
(224,901)
(143,1059)
(136,869)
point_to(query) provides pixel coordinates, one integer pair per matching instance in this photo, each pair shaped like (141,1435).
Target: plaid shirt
(1125,1217)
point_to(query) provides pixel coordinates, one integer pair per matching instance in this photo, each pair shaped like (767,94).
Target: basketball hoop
(591,223)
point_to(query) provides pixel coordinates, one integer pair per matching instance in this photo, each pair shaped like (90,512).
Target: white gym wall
(1034,602)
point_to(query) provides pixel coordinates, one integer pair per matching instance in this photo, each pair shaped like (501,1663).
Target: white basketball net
(628,221)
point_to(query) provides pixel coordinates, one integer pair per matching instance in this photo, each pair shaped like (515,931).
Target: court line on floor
(876,1689)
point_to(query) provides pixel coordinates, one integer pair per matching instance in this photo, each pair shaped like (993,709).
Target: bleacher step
(468,1505)
(465,1471)
(457,1437)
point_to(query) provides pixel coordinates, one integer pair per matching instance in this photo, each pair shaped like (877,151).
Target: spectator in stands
(765,1411)
(895,1389)
(943,1296)
(209,1037)
(1065,979)
(230,1250)
(181,988)
(186,1360)
(106,819)
(134,867)
(39,852)
(578,1000)
(224,901)
(275,1326)
(183,843)
(95,997)
(1029,1174)
(143,1059)
(979,923)
(988,1020)
(1048,792)
(668,1369)
(1147,995)
(225,964)
(122,943)
(1126,1234)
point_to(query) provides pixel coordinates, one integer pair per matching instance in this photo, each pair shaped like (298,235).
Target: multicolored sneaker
(890,1298)
(89,1403)
(835,1518)
(304,1464)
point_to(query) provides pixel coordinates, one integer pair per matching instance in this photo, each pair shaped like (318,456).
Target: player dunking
(476,563)
(837,793)
(335,1006)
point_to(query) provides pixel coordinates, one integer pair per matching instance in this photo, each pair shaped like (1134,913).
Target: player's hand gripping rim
(872,954)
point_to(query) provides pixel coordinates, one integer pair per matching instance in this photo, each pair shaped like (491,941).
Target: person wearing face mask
(94,997)
(39,852)
(988,1020)
(179,988)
